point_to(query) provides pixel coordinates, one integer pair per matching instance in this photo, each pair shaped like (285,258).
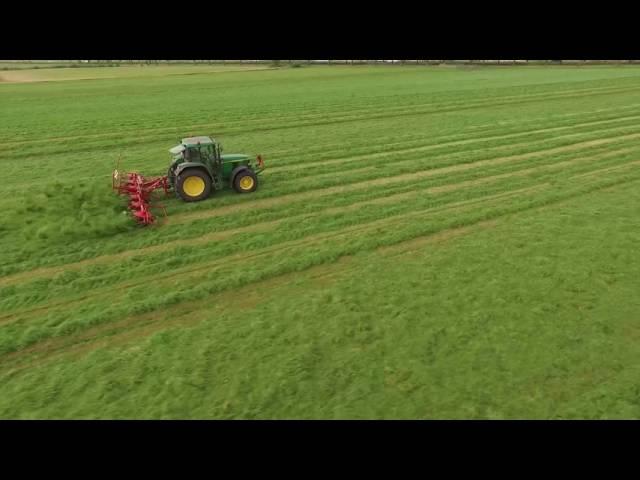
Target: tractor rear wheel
(246,181)
(193,185)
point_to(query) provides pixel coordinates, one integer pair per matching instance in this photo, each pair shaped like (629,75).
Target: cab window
(192,154)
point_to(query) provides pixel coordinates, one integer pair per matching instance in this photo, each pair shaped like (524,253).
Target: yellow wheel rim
(246,183)
(193,186)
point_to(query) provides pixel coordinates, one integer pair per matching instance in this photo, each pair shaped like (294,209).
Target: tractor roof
(192,141)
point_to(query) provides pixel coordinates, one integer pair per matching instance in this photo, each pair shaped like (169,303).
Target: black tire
(182,190)
(241,182)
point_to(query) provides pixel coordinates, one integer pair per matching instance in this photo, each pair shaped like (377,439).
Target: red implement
(139,190)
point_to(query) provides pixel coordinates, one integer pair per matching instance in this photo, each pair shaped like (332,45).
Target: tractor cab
(198,149)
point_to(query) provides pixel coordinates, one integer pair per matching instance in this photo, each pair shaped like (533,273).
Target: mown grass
(221,312)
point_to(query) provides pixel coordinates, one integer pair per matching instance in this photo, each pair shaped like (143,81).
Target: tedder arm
(139,190)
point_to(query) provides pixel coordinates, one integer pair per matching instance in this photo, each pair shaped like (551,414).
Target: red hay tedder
(139,190)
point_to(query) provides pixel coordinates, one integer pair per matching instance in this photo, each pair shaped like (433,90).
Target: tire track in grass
(137,326)
(605,170)
(272,224)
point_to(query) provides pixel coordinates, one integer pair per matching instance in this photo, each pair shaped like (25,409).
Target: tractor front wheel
(246,181)
(193,185)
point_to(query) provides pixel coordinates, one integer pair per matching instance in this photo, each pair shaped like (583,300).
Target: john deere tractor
(198,168)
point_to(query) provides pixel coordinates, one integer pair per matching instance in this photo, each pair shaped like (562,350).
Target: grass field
(427,242)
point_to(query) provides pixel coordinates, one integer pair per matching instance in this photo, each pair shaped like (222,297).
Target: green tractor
(198,168)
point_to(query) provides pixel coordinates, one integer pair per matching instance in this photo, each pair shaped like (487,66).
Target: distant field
(425,243)
(41,74)
(30,65)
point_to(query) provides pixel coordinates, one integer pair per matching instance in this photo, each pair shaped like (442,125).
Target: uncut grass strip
(394,169)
